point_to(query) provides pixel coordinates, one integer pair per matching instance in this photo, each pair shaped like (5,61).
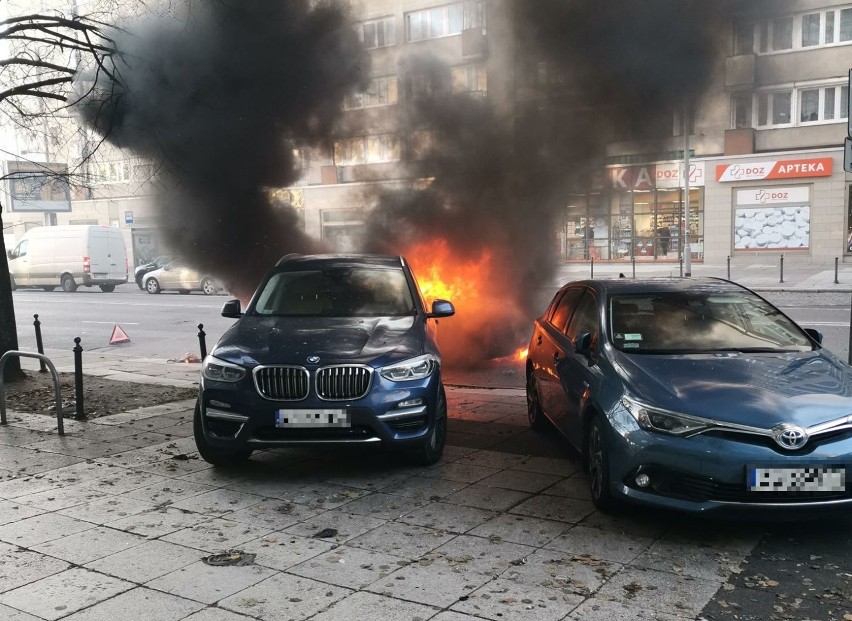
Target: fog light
(642,480)
(410,403)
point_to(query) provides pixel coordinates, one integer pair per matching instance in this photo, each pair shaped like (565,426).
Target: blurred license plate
(814,479)
(311,418)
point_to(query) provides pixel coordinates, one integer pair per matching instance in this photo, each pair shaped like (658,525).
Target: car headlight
(221,371)
(666,421)
(411,369)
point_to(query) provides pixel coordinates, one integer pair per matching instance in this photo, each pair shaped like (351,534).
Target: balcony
(474,42)
(740,72)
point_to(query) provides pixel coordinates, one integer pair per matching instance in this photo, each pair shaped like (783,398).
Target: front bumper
(708,473)
(235,415)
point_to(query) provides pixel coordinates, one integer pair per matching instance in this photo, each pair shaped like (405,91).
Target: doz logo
(766,196)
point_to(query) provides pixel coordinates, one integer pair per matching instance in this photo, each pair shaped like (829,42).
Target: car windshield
(336,292)
(694,322)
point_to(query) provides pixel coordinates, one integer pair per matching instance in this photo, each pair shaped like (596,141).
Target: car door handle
(538,340)
(555,357)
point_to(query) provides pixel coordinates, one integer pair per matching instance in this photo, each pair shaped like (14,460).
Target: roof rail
(287,257)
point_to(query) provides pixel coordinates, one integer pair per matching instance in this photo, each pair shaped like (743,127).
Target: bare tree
(43,55)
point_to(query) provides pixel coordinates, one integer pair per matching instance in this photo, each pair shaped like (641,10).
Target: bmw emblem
(790,437)
(313,359)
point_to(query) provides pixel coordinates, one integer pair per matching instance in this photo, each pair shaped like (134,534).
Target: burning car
(331,350)
(692,394)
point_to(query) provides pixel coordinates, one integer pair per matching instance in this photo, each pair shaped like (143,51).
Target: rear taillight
(87,265)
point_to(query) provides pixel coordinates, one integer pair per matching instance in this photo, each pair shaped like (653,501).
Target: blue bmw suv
(331,350)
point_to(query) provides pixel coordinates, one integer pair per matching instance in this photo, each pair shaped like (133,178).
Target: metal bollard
(634,267)
(782,268)
(836,264)
(39,345)
(202,343)
(681,266)
(78,379)
(592,264)
(729,267)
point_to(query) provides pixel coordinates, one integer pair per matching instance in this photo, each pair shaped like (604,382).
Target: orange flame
(443,276)
(522,353)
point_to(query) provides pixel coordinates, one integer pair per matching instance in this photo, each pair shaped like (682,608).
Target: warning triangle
(118,336)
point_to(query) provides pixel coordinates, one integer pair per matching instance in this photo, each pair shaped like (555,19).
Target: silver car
(177,276)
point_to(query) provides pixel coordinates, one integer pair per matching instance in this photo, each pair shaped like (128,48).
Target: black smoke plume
(218,101)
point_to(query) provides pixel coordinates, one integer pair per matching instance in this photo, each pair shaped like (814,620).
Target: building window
(380,92)
(474,14)
(797,32)
(469,78)
(376,149)
(744,39)
(782,34)
(803,106)
(434,23)
(741,107)
(811,29)
(378,33)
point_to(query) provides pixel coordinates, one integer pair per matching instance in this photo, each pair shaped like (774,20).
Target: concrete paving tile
(478,495)
(168,491)
(577,575)
(371,607)
(215,535)
(41,528)
(383,506)
(64,593)
(217,614)
(494,459)
(636,523)
(447,517)
(504,600)
(689,560)
(353,568)
(284,597)
(430,584)
(732,537)
(660,591)
(146,561)
(218,502)
(555,508)
(140,603)
(7,475)
(61,497)
(24,485)
(282,550)
(107,509)
(454,616)
(134,459)
(454,453)
(403,540)
(371,479)
(324,495)
(209,584)
(596,543)
(478,555)
(462,473)
(216,478)
(19,567)
(89,545)
(11,511)
(347,525)
(521,529)
(20,436)
(10,614)
(171,467)
(550,465)
(119,480)
(571,487)
(531,482)
(597,609)
(77,446)
(424,488)
(273,514)
(157,522)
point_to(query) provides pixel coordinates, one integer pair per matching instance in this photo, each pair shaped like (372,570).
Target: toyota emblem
(790,437)
(313,359)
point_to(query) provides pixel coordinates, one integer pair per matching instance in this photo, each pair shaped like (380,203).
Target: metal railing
(46,360)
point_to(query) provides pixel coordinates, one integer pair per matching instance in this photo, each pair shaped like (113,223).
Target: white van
(68,257)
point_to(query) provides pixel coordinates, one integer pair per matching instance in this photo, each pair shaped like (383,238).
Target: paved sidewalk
(113,521)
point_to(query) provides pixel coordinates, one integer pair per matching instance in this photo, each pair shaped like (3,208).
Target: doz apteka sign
(786,169)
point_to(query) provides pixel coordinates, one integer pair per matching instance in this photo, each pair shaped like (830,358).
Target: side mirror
(583,344)
(10,254)
(441,308)
(231,309)
(814,334)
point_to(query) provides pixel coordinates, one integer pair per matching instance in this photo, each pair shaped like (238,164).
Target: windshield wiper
(748,350)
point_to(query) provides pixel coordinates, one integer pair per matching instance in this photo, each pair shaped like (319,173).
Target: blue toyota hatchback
(331,350)
(692,394)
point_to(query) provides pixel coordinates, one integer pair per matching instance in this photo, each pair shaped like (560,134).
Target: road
(165,325)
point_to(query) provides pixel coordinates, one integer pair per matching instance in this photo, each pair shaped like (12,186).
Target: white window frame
(382,91)
(796,93)
(388,27)
(470,78)
(764,31)
(425,15)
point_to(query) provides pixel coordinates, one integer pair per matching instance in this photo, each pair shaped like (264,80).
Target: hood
(761,390)
(374,341)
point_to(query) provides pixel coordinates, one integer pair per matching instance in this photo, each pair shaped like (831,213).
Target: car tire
(152,286)
(140,284)
(183,291)
(211,454)
(208,286)
(67,283)
(597,465)
(107,288)
(430,453)
(535,415)
(49,289)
